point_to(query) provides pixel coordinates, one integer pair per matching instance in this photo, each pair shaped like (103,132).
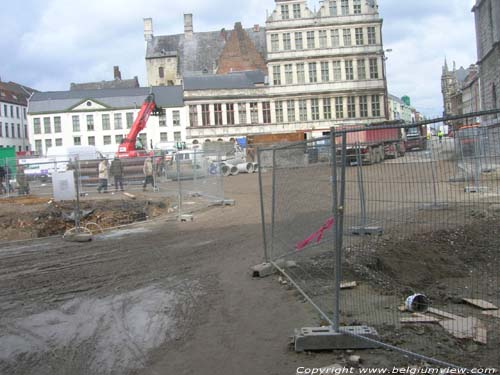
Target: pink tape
(318,235)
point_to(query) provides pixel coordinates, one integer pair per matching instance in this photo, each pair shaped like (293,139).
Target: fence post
(335,209)
(77,185)
(262,213)
(179,183)
(273,202)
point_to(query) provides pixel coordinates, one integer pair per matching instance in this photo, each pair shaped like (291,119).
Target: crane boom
(127,147)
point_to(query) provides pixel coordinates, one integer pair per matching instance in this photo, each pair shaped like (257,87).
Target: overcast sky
(47,44)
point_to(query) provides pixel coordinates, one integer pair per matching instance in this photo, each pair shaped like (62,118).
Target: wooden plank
(493,313)
(348,285)
(462,328)
(443,314)
(480,303)
(131,196)
(420,319)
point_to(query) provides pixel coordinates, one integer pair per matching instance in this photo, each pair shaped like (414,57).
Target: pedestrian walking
(103,176)
(116,170)
(440,135)
(23,186)
(3,189)
(148,173)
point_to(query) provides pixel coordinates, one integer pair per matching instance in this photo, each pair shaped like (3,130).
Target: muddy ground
(166,297)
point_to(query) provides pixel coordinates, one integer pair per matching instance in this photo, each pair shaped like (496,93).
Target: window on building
(494,98)
(315,109)
(37,129)
(25,131)
(6,130)
(19,131)
(372,36)
(351,106)
(1,128)
(106,140)
(24,113)
(13,130)
(337,71)
(230,113)
(301,75)
(357,7)
(164,137)
(91,141)
(375,106)
(290,105)
(57,124)
(106,125)
(118,139)
(325,71)
(278,109)
(161,72)
(242,113)
(162,121)
(349,70)
(313,74)
(296,11)
(59,142)
(303,110)
(288,74)
(90,123)
(5,110)
(275,43)
(254,113)
(218,113)
(77,141)
(76,124)
(363,106)
(276,75)
(130,119)
(193,115)
(118,121)
(374,68)
(335,38)
(322,38)
(287,42)
(17,112)
(177,137)
(176,118)
(48,144)
(285,12)
(339,108)
(205,114)
(143,139)
(310,40)
(327,109)
(361,69)
(38,147)
(299,44)
(266,112)
(359,36)
(47,129)
(344,4)
(333,7)
(347,37)
(12,111)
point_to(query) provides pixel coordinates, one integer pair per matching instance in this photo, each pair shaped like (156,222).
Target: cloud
(60,41)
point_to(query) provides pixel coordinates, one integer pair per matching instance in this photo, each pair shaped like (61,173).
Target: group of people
(116,171)
(23,187)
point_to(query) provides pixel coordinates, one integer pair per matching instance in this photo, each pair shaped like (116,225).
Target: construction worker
(116,170)
(103,176)
(3,189)
(148,173)
(440,135)
(23,186)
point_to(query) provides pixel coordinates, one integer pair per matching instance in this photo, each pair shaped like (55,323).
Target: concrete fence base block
(186,218)
(286,263)
(434,206)
(262,270)
(77,237)
(325,338)
(225,202)
(367,231)
(476,189)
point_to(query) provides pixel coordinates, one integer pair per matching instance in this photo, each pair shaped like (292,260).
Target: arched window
(161,72)
(219,140)
(195,142)
(207,140)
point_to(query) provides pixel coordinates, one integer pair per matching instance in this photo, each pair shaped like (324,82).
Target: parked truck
(416,138)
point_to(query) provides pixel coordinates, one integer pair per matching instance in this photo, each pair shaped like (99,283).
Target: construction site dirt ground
(161,297)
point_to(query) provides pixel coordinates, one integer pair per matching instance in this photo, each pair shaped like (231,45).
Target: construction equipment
(128,147)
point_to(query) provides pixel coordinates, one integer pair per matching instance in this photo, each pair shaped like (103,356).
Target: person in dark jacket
(3,190)
(116,170)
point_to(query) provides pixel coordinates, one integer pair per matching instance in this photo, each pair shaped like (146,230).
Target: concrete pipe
(235,161)
(255,167)
(245,168)
(225,170)
(234,171)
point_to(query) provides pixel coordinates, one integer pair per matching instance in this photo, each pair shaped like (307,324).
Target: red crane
(127,148)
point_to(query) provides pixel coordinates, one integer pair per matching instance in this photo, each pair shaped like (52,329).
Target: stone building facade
(487,17)
(306,71)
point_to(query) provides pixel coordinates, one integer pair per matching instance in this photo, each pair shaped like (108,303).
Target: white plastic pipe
(245,168)
(255,167)
(225,170)
(234,171)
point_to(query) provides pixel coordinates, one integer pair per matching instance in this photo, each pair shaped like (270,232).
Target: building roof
(14,93)
(115,84)
(238,80)
(394,98)
(64,101)
(199,52)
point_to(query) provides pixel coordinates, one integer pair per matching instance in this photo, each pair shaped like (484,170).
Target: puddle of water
(110,334)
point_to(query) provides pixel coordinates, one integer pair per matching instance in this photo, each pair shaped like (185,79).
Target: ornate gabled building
(305,71)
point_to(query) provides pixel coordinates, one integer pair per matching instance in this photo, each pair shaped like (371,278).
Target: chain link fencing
(397,241)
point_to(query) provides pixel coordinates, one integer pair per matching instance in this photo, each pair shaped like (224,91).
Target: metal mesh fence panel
(416,241)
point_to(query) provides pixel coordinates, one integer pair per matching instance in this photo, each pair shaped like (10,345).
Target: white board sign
(63,185)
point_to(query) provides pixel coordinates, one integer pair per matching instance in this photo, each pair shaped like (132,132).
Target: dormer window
(296,11)
(285,12)
(333,7)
